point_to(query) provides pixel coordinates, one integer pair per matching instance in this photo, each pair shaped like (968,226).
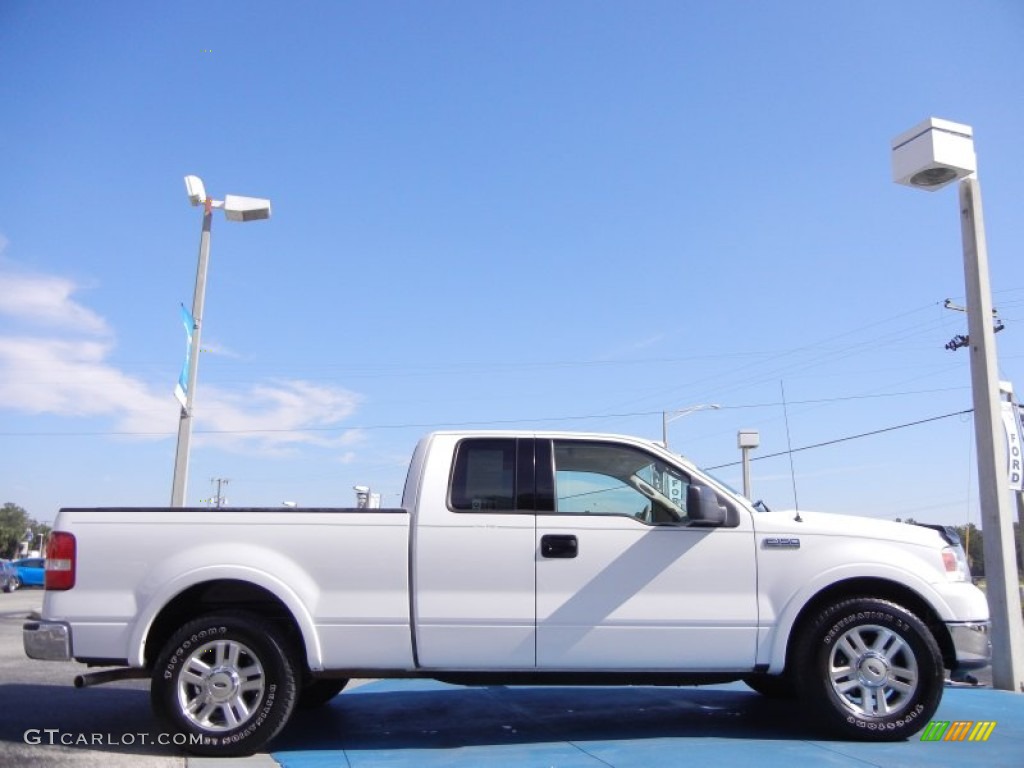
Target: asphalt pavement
(45,721)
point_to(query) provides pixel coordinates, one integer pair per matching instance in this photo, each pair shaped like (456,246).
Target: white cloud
(69,377)
(275,417)
(61,368)
(46,299)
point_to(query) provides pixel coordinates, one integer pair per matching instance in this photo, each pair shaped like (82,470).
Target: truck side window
(483,476)
(593,478)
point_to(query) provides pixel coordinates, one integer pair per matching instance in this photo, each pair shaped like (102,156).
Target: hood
(829,524)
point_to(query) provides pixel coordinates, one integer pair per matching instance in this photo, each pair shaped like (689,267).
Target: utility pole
(218,499)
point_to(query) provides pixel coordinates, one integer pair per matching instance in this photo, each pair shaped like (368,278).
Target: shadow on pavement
(103,719)
(372,718)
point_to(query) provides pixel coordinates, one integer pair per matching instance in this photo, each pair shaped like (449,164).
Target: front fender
(774,643)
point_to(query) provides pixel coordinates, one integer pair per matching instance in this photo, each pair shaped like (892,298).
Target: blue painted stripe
(425,724)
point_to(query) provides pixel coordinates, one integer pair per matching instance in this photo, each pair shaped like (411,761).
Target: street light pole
(747,439)
(181,455)
(931,156)
(236,208)
(1001,578)
(670,416)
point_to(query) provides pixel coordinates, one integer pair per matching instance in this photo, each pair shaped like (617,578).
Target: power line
(475,423)
(821,346)
(846,439)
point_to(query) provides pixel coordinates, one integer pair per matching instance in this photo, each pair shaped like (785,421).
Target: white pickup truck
(535,558)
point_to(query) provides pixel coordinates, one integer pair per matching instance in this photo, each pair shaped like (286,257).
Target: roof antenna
(789,445)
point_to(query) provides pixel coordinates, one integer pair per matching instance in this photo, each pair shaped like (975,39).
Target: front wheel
(225,682)
(870,670)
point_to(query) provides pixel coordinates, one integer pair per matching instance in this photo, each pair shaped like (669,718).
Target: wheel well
(883,590)
(224,594)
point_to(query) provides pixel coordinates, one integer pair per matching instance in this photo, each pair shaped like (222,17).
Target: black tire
(226,682)
(870,670)
(772,686)
(316,693)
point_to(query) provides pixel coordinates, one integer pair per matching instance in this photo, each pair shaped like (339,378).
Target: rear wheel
(870,669)
(226,682)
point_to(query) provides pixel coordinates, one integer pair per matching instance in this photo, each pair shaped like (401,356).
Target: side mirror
(702,507)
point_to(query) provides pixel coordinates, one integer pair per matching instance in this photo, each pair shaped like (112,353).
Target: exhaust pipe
(109,676)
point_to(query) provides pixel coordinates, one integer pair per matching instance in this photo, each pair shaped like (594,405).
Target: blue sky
(570,215)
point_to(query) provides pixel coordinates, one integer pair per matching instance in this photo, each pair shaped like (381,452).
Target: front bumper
(971,644)
(47,640)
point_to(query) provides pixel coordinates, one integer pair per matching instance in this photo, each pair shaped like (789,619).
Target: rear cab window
(484,476)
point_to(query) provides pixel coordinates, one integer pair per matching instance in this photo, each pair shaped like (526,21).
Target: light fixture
(195,189)
(238,208)
(668,417)
(933,154)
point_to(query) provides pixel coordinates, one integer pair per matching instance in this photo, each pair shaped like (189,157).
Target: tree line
(972,540)
(16,526)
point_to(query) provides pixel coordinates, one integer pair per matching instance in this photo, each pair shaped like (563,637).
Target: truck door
(625,580)
(473,549)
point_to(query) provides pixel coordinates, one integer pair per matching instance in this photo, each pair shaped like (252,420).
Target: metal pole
(664,429)
(181,456)
(746,472)
(997,520)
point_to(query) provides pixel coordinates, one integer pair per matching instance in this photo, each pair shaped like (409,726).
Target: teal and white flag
(181,389)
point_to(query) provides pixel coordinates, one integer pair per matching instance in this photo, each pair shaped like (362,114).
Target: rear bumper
(971,643)
(47,640)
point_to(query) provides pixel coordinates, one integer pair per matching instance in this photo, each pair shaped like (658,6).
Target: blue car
(30,571)
(8,576)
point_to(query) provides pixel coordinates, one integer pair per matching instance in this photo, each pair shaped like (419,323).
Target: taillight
(955,562)
(949,560)
(60,561)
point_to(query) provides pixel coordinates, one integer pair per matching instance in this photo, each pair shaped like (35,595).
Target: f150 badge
(777,542)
